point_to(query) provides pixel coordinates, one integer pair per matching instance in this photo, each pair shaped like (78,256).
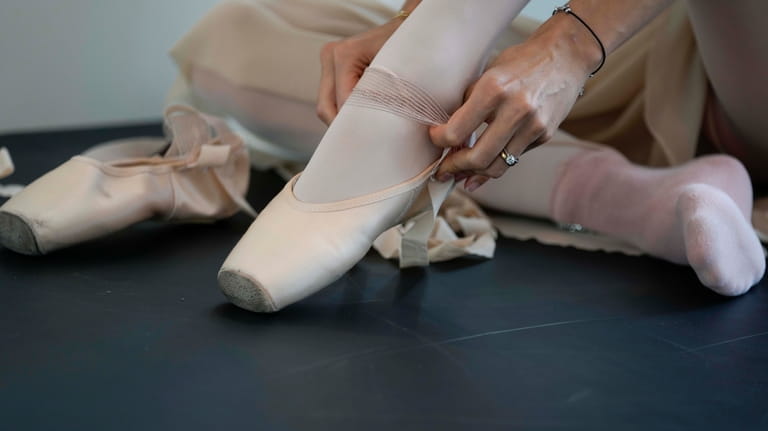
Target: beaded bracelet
(567,9)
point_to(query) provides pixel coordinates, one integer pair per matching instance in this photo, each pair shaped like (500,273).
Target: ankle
(581,179)
(730,176)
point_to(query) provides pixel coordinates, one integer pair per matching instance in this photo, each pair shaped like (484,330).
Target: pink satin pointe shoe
(202,175)
(295,248)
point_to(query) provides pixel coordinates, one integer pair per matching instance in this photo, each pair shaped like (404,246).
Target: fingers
(341,69)
(483,161)
(474,182)
(326,97)
(346,79)
(348,69)
(499,167)
(536,133)
(483,158)
(477,108)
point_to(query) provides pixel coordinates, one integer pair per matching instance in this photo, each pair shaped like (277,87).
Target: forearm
(613,21)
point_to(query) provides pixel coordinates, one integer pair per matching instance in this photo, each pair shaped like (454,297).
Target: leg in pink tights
(308,236)
(291,123)
(696,214)
(439,48)
(527,188)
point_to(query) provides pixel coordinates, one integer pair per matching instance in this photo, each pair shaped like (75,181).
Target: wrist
(571,40)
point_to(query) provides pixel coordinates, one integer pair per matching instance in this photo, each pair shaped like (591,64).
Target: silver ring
(509,159)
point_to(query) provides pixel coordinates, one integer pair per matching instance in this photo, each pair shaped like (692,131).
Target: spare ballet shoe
(295,248)
(202,175)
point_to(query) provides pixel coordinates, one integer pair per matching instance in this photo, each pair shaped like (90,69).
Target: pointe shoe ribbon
(409,242)
(461,228)
(211,148)
(201,175)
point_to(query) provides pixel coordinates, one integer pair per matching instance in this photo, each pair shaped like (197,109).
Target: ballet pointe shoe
(202,175)
(295,248)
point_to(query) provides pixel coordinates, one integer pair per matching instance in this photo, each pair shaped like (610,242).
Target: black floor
(131,332)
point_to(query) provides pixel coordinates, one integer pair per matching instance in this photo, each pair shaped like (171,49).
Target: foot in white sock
(720,244)
(697,213)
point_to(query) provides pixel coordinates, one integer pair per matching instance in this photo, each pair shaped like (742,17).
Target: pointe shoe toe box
(16,234)
(289,253)
(120,183)
(70,204)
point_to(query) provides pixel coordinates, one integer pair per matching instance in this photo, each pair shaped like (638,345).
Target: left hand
(523,96)
(343,63)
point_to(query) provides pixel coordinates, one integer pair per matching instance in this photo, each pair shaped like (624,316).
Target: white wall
(70,63)
(80,62)
(542,9)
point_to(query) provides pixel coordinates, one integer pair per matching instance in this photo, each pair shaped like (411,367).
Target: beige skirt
(647,102)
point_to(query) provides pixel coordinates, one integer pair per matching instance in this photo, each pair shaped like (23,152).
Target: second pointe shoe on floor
(202,174)
(295,248)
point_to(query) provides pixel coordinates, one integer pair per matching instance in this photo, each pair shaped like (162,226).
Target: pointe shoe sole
(244,292)
(17,235)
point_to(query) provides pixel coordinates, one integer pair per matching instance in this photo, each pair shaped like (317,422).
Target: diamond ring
(509,159)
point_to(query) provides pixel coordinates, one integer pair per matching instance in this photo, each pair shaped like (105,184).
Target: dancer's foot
(371,170)
(696,214)
(720,243)
(296,247)
(363,151)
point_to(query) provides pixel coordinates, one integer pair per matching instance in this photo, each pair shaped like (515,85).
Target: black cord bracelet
(567,9)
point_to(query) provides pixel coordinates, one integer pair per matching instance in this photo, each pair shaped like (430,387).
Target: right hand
(343,63)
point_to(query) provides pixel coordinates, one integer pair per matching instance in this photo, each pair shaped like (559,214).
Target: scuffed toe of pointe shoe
(721,245)
(17,235)
(245,292)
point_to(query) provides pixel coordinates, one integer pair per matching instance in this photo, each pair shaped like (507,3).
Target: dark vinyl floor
(131,333)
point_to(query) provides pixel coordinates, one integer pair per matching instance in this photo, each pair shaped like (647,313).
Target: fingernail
(444,177)
(460,177)
(471,185)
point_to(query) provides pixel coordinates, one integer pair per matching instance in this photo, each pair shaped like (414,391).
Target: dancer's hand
(523,96)
(343,63)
